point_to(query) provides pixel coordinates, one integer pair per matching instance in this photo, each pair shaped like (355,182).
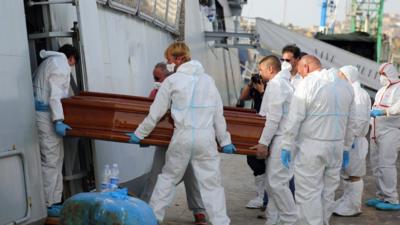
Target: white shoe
(256,203)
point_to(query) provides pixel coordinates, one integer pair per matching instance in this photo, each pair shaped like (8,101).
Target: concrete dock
(239,188)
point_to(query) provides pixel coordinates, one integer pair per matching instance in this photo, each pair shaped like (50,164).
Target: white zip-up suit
(385,137)
(320,123)
(281,208)
(350,202)
(50,85)
(197,111)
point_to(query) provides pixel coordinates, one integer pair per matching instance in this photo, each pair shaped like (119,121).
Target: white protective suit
(193,196)
(385,137)
(281,207)
(295,81)
(320,123)
(50,85)
(197,110)
(350,202)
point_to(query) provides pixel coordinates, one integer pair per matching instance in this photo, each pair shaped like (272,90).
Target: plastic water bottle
(105,183)
(114,179)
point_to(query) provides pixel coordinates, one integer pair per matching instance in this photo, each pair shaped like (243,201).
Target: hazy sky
(301,12)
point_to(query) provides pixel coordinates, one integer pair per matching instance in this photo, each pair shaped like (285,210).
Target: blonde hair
(178,49)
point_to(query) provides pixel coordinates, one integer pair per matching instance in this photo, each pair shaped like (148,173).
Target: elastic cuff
(263,142)
(138,135)
(199,210)
(286,148)
(58,119)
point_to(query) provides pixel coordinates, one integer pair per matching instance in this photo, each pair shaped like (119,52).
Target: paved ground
(239,188)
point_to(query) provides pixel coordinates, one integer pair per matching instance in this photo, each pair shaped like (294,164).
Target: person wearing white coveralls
(350,202)
(197,111)
(292,54)
(320,124)
(281,207)
(195,204)
(385,139)
(51,82)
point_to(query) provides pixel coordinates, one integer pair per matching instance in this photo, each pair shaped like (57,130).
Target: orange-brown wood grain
(109,117)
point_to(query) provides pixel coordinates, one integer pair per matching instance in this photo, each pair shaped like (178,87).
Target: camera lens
(256,78)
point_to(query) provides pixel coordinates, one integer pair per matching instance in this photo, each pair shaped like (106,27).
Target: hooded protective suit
(197,110)
(50,85)
(281,206)
(320,120)
(350,203)
(385,136)
(193,197)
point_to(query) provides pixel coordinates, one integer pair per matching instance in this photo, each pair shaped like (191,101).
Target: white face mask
(286,66)
(171,67)
(384,80)
(156,85)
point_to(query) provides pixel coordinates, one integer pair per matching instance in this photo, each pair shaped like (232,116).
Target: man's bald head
(160,72)
(308,64)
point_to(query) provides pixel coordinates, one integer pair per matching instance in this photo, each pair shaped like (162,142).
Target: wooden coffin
(109,117)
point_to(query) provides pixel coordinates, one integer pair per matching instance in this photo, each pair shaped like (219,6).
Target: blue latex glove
(377,112)
(61,128)
(133,138)
(229,149)
(285,157)
(346,159)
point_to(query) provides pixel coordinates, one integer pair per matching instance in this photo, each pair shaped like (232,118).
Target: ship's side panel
(120,53)
(221,64)
(20,174)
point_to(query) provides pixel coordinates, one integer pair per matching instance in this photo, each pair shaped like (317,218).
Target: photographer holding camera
(254,90)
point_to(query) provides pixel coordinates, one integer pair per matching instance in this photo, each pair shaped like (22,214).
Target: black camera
(256,78)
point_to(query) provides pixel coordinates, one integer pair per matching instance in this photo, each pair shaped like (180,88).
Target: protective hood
(45,54)
(390,71)
(192,67)
(330,74)
(356,84)
(351,73)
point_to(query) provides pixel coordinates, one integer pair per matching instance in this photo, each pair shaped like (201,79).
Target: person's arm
(245,95)
(394,110)
(297,113)
(58,79)
(362,120)
(157,110)
(223,136)
(259,87)
(274,111)
(351,125)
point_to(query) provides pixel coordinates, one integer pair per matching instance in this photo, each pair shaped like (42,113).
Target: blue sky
(301,12)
